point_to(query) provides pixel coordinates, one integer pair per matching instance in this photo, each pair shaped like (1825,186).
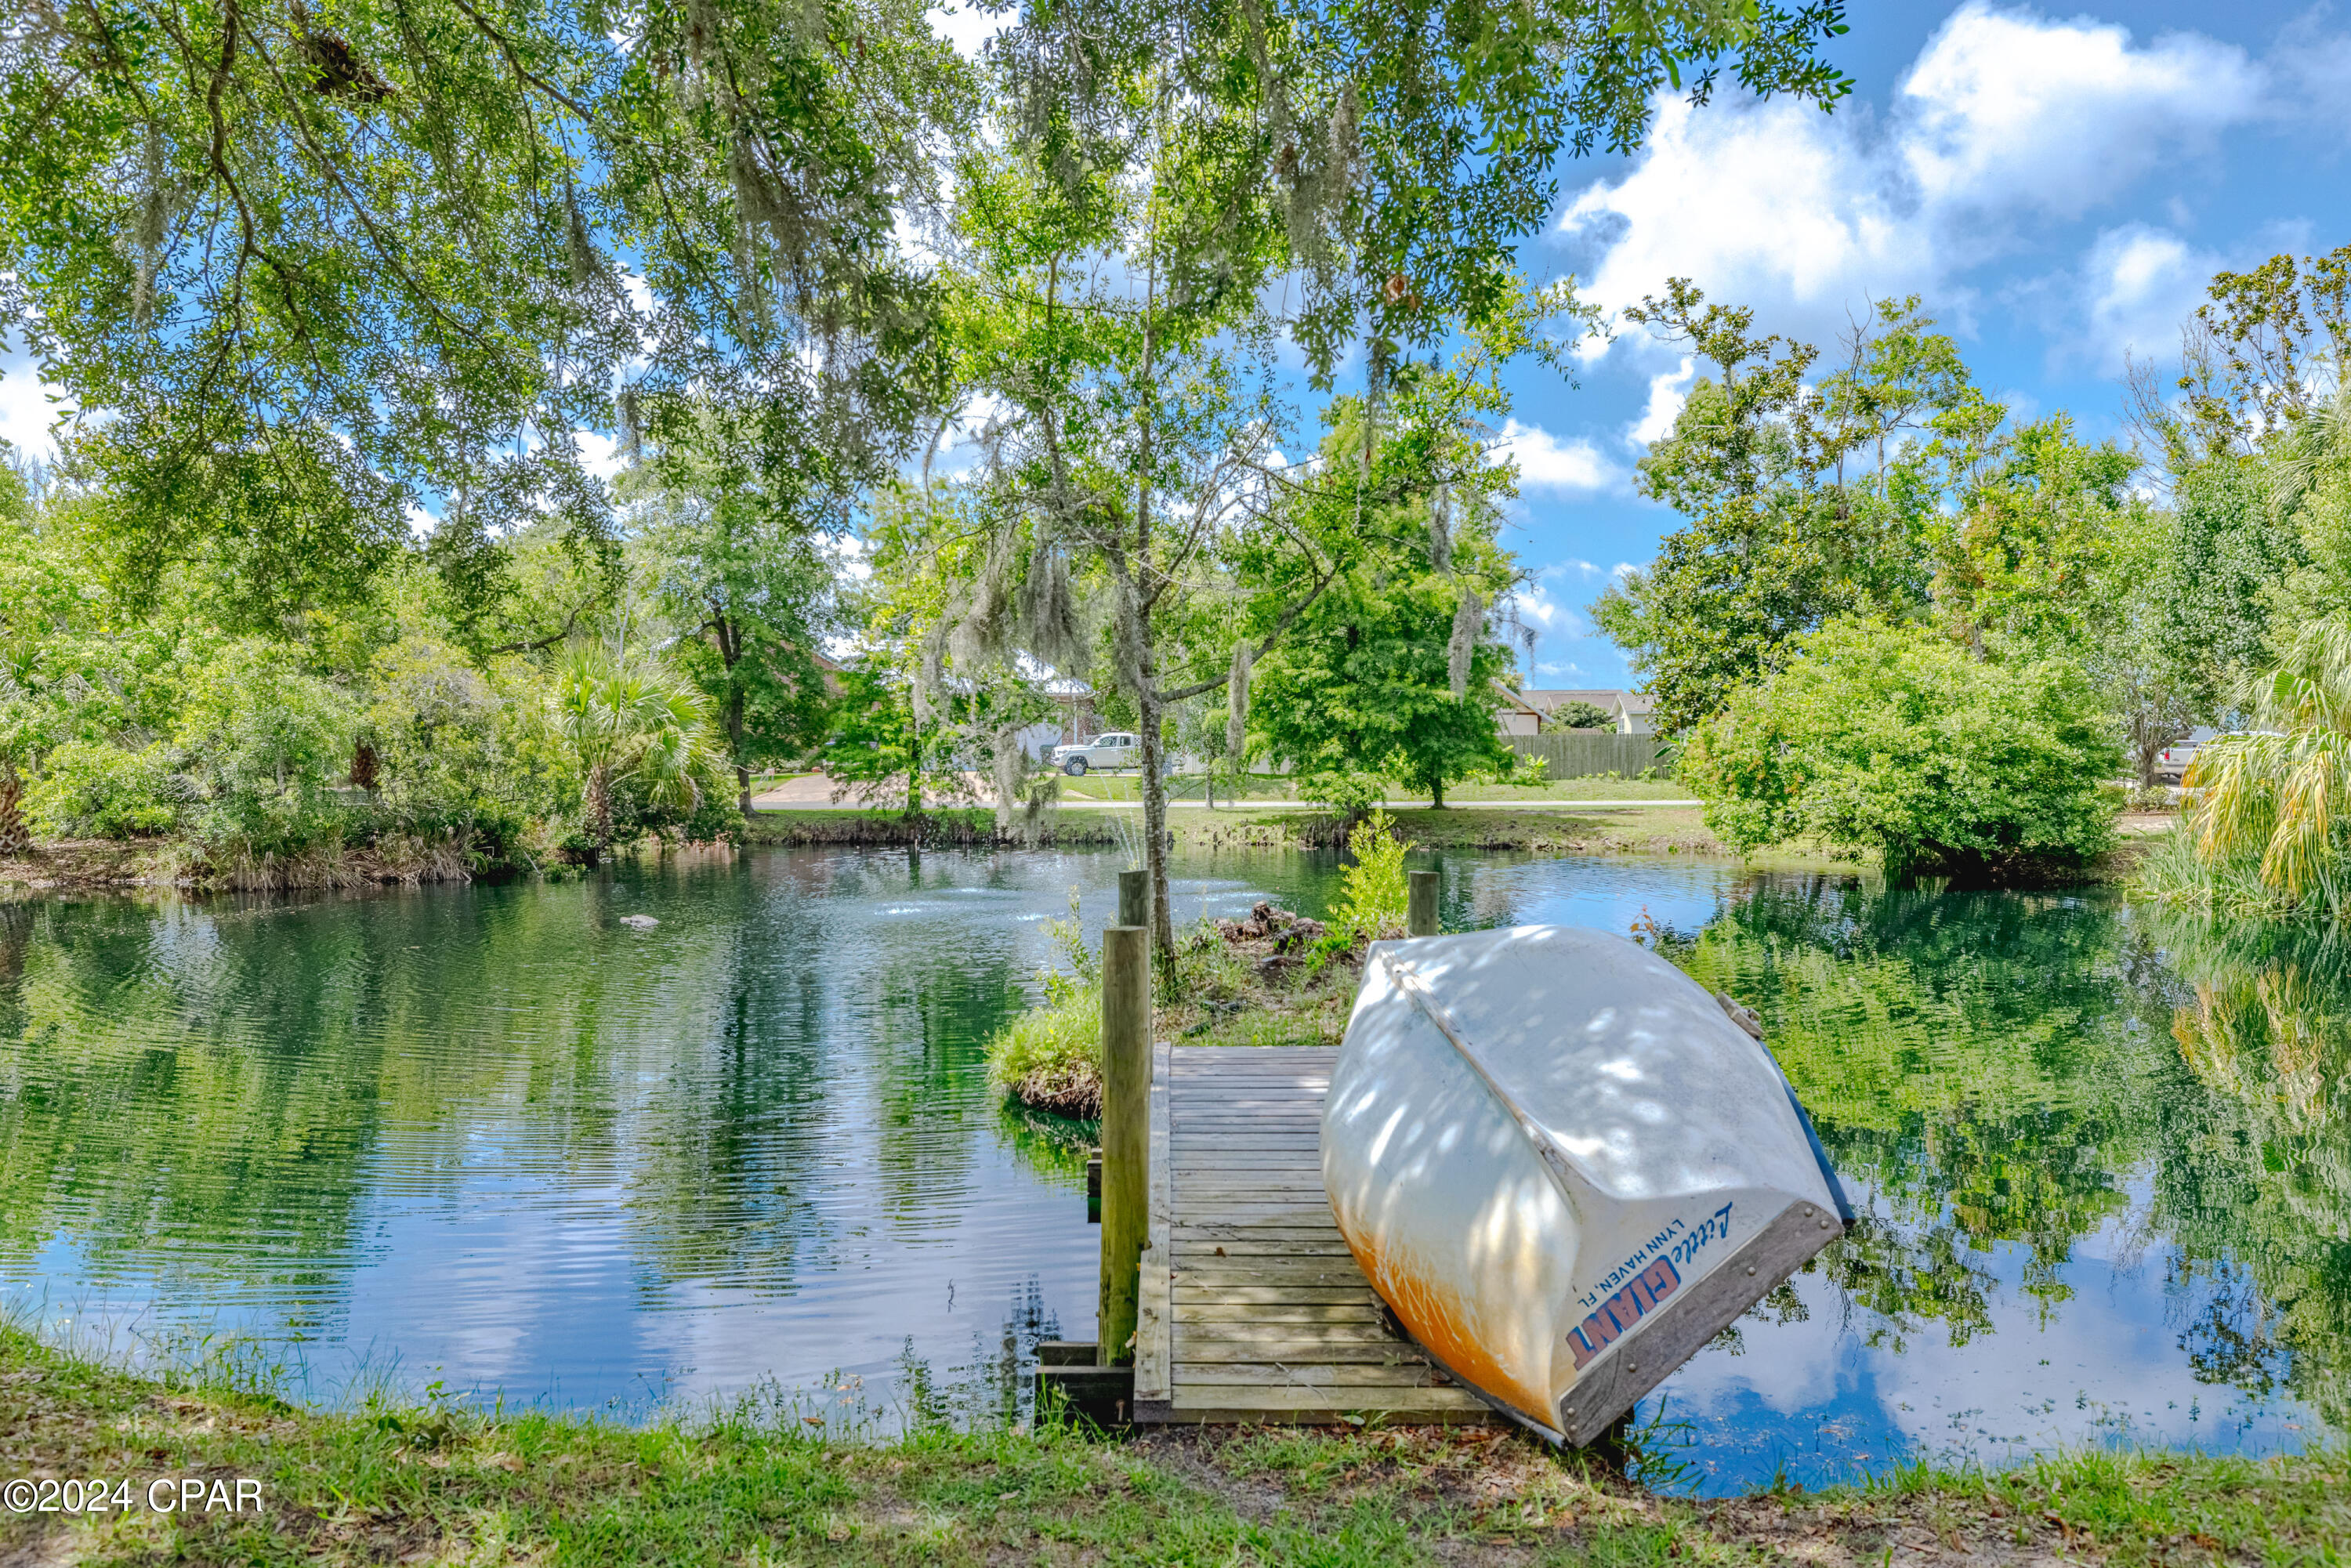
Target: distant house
(1529,710)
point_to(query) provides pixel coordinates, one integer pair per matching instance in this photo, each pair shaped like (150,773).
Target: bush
(91,790)
(1893,742)
(1372,891)
(1050,1056)
(266,742)
(1348,794)
(1577,716)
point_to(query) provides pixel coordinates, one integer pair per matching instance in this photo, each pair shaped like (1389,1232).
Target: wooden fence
(1582,753)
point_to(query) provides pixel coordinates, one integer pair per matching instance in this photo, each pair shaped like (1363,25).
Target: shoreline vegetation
(763,1480)
(1664,827)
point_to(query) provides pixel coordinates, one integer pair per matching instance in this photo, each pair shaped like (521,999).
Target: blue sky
(2059,185)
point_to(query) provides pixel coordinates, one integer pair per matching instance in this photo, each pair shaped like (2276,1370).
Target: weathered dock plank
(1255,1310)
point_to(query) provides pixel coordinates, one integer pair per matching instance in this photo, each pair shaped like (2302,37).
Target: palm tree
(2273,812)
(629,718)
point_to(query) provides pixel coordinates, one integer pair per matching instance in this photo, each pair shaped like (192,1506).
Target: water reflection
(2101,1192)
(495,1135)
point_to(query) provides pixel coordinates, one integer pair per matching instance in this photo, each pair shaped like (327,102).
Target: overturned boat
(1564,1165)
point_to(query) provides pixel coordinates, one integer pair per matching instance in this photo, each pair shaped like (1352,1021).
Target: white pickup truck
(2172,763)
(1114,750)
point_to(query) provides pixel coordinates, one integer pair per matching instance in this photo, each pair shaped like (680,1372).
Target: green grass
(756,1483)
(1267,788)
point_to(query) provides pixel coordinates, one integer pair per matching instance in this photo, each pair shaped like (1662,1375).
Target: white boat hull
(1563,1165)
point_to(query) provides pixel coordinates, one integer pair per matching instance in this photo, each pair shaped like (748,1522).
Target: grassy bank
(758,1484)
(952,827)
(1669,827)
(166,862)
(1096,786)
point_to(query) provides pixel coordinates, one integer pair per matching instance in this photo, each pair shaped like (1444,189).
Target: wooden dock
(1251,1307)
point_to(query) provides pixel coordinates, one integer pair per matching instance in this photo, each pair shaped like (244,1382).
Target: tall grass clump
(2268,834)
(1050,1056)
(1372,891)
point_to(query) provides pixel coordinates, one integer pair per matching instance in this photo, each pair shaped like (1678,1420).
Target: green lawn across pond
(761,1485)
(1271,789)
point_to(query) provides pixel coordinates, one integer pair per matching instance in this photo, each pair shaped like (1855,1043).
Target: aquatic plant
(1050,1056)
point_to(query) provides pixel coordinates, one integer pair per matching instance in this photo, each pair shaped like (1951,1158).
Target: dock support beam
(1135,898)
(1420,906)
(1125,1128)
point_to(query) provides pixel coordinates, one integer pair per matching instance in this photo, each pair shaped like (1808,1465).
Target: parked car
(1114,750)
(2172,762)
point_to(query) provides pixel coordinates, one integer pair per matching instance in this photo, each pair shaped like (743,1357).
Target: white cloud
(2005,115)
(850,554)
(2005,109)
(1541,609)
(26,412)
(1669,391)
(1623,569)
(2138,284)
(1768,203)
(599,455)
(1547,463)
(968,28)
(2317,66)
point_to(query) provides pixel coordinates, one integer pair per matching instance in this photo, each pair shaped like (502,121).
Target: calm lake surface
(494,1137)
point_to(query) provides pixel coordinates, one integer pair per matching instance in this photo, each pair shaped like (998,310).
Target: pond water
(496,1137)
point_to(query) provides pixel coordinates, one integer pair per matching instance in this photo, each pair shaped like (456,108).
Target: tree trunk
(729,639)
(1436,792)
(734,745)
(1154,817)
(15,839)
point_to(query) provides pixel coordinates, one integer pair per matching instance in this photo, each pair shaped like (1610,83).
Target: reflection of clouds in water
(517,1288)
(2108,1363)
(1789,1367)
(1605,895)
(2105,1365)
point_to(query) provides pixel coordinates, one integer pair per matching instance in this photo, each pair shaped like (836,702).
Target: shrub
(1050,1056)
(1371,893)
(1348,794)
(1579,715)
(2269,830)
(92,789)
(266,742)
(1893,742)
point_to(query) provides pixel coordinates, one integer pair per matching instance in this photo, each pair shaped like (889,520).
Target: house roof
(1548,699)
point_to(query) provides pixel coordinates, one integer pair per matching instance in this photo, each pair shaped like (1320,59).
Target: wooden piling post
(1135,898)
(1125,1128)
(1420,908)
